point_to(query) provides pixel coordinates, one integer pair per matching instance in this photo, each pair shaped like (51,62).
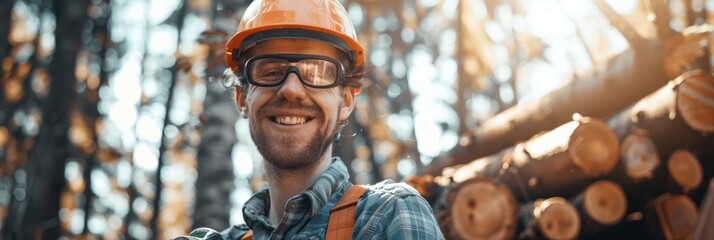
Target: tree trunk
(552,218)
(602,204)
(672,217)
(215,180)
(627,77)
(5,14)
(154,223)
(214,183)
(705,223)
(37,214)
(557,163)
(477,209)
(679,115)
(87,116)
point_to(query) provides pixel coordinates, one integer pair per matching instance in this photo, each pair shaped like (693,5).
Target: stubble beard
(291,160)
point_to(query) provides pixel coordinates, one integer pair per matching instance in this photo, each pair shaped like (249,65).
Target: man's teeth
(290,120)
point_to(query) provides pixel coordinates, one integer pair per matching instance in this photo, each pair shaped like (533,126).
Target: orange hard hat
(324,20)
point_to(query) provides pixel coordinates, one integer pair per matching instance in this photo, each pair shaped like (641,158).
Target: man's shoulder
(388,188)
(392,210)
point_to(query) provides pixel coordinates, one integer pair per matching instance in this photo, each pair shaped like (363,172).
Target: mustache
(283,104)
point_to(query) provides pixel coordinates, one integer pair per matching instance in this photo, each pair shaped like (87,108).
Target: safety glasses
(313,70)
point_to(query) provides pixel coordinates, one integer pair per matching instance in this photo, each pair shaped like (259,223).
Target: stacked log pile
(589,176)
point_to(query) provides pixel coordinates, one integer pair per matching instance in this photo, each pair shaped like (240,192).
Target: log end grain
(695,101)
(676,215)
(639,156)
(594,147)
(557,219)
(685,169)
(480,209)
(605,202)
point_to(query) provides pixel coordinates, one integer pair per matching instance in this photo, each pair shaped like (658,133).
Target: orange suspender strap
(342,215)
(248,235)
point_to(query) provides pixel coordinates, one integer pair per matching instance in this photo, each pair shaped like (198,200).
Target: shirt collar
(256,208)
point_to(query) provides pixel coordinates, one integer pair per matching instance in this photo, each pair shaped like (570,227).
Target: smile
(290,120)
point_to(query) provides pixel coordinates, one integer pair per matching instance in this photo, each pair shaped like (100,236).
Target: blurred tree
(37,214)
(92,74)
(5,10)
(178,21)
(214,161)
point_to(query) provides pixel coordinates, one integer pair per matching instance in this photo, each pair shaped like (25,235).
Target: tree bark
(552,218)
(477,209)
(557,163)
(627,77)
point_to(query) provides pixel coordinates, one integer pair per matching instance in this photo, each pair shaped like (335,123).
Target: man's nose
(292,88)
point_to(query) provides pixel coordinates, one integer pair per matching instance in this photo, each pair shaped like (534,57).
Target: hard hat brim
(238,43)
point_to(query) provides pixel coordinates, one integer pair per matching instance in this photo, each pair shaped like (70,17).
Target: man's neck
(283,185)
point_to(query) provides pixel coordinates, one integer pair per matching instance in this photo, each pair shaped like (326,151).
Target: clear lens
(268,70)
(271,71)
(317,72)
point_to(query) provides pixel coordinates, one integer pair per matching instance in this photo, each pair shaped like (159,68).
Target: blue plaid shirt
(386,211)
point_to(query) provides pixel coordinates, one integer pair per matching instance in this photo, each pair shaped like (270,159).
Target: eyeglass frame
(294,58)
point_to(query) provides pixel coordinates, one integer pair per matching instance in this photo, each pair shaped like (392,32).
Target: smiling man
(299,67)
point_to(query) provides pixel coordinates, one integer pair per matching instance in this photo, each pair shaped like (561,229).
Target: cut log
(477,209)
(603,203)
(490,166)
(685,170)
(679,115)
(558,163)
(672,217)
(552,218)
(705,223)
(638,169)
(638,157)
(626,78)
(682,174)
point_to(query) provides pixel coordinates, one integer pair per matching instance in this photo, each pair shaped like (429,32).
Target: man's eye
(272,74)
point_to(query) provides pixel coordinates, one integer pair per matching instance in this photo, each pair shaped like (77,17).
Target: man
(299,67)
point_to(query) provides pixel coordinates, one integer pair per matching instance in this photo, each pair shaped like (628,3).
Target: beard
(290,159)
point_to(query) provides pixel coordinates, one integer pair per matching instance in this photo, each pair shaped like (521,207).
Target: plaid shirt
(386,211)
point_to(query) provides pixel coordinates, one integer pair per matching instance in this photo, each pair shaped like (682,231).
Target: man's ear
(348,102)
(240,98)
